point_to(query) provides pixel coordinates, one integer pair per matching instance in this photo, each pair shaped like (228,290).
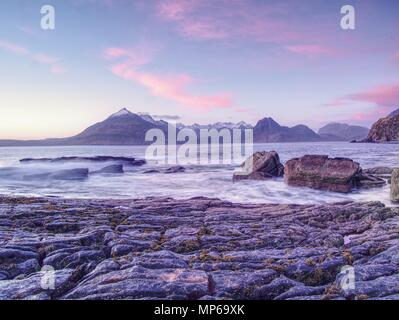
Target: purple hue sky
(203,60)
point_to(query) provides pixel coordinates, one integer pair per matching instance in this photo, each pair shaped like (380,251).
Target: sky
(197,61)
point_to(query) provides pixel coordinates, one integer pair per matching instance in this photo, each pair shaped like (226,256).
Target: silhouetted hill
(268,130)
(343,132)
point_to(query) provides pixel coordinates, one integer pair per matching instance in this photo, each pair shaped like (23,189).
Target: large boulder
(395,185)
(323,173)
(260,166)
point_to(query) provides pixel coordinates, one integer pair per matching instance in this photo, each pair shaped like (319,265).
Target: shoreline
(200,248)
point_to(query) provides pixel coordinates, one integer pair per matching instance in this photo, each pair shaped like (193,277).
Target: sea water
(198,180)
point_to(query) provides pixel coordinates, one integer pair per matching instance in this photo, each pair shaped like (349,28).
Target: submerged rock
(323,173)
(395,185)
(260,166)
(115,168)
(119,160)
(175,169)
(70,174)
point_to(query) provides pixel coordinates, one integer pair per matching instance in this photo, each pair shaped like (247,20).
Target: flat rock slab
(161,248)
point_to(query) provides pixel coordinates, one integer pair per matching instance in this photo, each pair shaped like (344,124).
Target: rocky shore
(160,248)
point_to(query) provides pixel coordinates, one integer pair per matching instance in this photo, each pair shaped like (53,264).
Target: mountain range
(127,128)
(341,131)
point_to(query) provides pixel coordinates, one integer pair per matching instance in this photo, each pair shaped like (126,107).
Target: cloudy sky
(201,60)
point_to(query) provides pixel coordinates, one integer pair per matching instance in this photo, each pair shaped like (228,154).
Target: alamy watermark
(47,21)
(348,279)
(348,20)
(47,281)
(202,147)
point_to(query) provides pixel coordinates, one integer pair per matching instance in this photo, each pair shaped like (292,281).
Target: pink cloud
(369,116)
(382,96)
(138,55)
(14,48)
(227,19)
(311,51)
(177,9)
(168,86)
(111,53)
(40,58)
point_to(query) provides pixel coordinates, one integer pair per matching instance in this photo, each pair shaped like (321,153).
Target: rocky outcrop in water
(384,130)
(260,166)
(323,173)
(160,248)
(96,159)
(383,172)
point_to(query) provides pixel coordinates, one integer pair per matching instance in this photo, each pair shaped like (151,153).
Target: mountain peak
(121,112)
(270,122)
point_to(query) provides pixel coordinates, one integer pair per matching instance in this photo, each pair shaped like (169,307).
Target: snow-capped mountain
(217,125)
(122,112)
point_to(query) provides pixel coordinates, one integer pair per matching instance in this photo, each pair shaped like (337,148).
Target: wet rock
(367,181)
(260,166)
(321,172)
(174,169)
(379,171)
(152,171)
(395,185)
